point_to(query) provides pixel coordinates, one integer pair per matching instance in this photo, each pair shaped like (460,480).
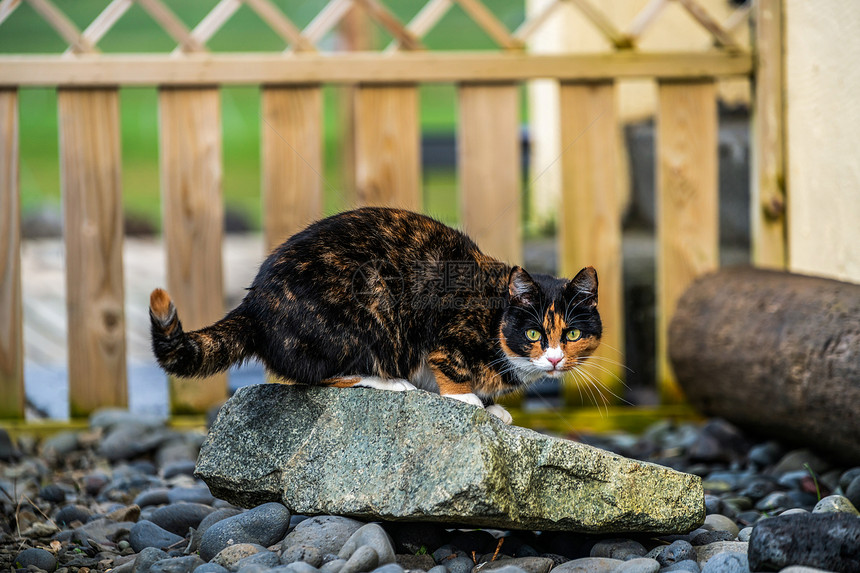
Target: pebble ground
(121,497)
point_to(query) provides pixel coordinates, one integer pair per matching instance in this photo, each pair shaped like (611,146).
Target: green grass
(25,32)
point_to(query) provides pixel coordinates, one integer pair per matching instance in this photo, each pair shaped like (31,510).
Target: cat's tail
(201,352)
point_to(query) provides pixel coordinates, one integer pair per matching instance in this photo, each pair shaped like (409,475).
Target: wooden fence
(387,157)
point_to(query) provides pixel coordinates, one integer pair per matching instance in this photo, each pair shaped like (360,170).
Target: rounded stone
(744,534)
(708,537)
(211,568)
(727,563)
(145,533)
(527,564)
(370,535)
(328,533)
(638,565)
(502,569)
(178,517)
(146,557)
(232,554)
(589,565)
(185,564)
(832,541)
(179,467)
(363,558)
(717,522)
(390,568)
(266,559)
(40,558)
(305,553)
(835,504)
(196,494)
(686,566)
(675,552)
(848,476)
(71,513)
(263,525)
(852,491)
(152,496)
(622,549)
(53,493)
(333,566)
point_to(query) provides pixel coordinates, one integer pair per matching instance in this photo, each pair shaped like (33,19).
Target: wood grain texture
(387,146)
(687,204)
(91,185)
(590,221)
(193,215)
(489,169)
(11,327)
(379,68)
(292,147)
(768,200)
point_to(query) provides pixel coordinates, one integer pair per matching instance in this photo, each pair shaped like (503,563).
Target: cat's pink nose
(555,361)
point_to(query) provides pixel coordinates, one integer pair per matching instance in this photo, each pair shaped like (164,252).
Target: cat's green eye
(574,334)
(533,334)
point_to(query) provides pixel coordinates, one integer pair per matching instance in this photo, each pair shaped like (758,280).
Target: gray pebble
(687,566)
(297,567)
(60,444)
(835,504)
(211,568)
(371,535)
(744,534)
(390,568)
(267,559)
(638,565)
(590,565)
(459,564)
(327,533)
(776,501)
(196,494)
(147,534)
(70,513)
(705,552)
(444,552)
(440,569)
(254,568)
(852,491)
(794,511)
(707,537)
(263,525)
(675,552)
(146,558)
(40,558)
(508,569)
(306,553)
(727,563)
(717,522)
(178,517)
(527,564)
(179,467)
(185,564)
(622,549)
(152,496)
(363,558)
(333,566)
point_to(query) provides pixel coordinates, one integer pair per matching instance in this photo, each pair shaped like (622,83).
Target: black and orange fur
(390,294)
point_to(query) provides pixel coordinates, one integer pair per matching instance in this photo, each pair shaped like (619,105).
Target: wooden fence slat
(292,148)
(687,203)
(91,185)
(388,146)
(489,167)
(590,221)
(193,213)
(767,202)
(11,327)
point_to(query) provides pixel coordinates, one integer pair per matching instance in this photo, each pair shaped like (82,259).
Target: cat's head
(549,325)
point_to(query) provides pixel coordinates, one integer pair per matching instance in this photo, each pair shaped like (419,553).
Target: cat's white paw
(467,398)
(500,413)
(393,385)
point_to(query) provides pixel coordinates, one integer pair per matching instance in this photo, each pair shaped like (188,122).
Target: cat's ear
(583,284)
(521,287)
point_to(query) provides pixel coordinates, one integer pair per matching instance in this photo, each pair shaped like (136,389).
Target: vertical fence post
(11,328)
(292,160)
(490,171)
(768,202)
(687,203)
(90,173)
(193,221)
(388,146)
(590,218)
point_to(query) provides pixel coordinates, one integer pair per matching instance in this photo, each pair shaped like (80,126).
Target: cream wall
(822,52)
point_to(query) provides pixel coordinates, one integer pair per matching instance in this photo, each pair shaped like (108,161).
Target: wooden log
(91,185)
(773,352)
(590,222)
(490,171)
(687,203)
(388,146)
(292,150)
(11,327)
(193,221)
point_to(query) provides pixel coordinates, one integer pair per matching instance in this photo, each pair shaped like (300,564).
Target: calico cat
(386,298)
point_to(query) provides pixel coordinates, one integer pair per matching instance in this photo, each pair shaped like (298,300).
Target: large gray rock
(373,454)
